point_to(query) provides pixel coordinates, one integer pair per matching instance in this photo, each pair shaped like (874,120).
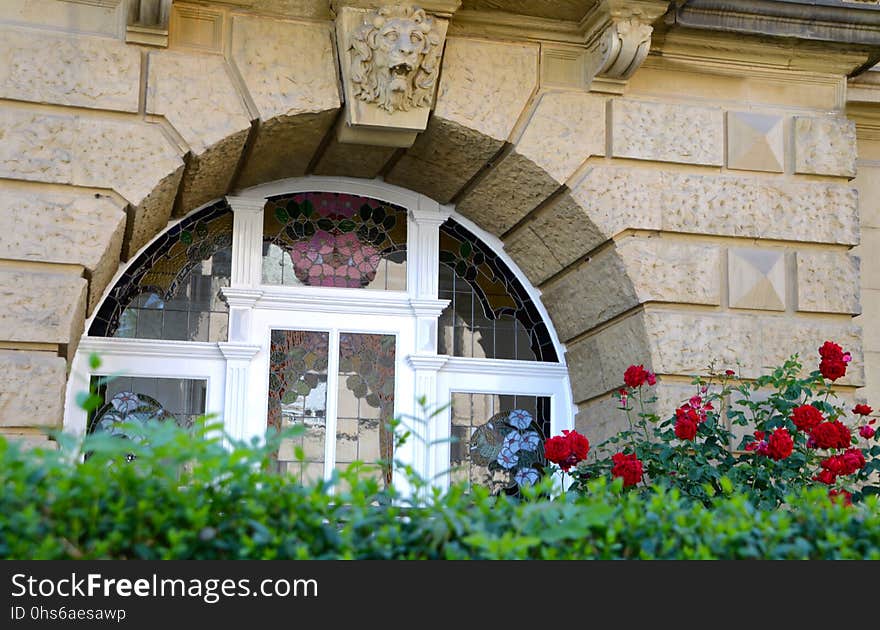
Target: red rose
(729,372)
(826,476)
(636,376)
(840,496)
(834,360)
(853,460)
(627,466)
(780,444)
(806,418)
(833,464)
(862,410)
(866,432)
(685,428)
(830,349)
(566,450)
(830,435)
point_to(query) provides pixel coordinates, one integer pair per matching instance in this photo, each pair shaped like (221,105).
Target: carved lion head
(395,57)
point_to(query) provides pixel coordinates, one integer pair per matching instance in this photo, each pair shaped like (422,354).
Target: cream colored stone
(566,129)
(871,391)
(755,142)
(135,159)
(285,146)
(756,278)
(870,299)
(870,244)
(531,254)
(66,228)
(443,159)
(868,184)
(41,306)
(632,271)
(288,67)
(92,17)
(667,132)
(353,160)
(27,439)
(825,146)
(197,96)
(32,389)
(828,282)
(506,194)
(72,70)
(485,85)
(208,176)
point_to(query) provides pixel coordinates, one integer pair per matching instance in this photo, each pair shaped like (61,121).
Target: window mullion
(332,404)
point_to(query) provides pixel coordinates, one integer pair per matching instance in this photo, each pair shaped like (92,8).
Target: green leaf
(282,215)
(94,361)
(186,237)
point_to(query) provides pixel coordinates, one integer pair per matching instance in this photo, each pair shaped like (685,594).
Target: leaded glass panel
(324,239)
(135,399)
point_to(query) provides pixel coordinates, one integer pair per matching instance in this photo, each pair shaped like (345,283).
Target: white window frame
(237,370)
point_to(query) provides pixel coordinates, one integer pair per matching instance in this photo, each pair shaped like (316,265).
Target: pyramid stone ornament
(757,279)
(755,142)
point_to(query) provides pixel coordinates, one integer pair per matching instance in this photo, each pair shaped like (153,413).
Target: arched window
(335,304)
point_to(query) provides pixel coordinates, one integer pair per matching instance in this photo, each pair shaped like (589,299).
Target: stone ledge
(32,389)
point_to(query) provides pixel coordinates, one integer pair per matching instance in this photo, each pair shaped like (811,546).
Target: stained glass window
(366,399)
(172,290)
(143,399)
(490,313)
(334,240)
(298,396)
(497,440)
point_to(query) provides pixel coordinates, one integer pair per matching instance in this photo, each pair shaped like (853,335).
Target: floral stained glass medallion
(334,240)
(172,290)
(298,397)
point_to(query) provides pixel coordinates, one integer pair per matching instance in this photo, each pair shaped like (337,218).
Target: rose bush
(769,437)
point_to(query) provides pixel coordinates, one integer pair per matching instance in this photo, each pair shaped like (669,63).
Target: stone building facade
(680,182)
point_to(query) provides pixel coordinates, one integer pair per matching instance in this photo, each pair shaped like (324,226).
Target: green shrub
(186,495)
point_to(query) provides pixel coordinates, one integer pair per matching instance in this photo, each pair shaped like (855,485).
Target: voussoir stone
(69,228)
(95,72)
(32,389)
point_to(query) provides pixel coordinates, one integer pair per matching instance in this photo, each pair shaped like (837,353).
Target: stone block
(288,67)
(80,71)
(485,85)
(32,389)
(443,159)
(870,299)
(506,194)
(631,272)
(531,254)
(756,278)
(785,336)
(755,142)
(667,132)
(565,129)
(825,146)
(828,282)
(41,306)
(67,228)
(868,184)
(869,244)
(353,160)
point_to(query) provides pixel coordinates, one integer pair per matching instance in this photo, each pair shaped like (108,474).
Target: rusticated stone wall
(663,226)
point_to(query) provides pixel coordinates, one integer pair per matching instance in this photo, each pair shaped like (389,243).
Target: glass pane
(497,440)
(365,400)
(490,314)
(323,239)
(298,397)
(182,271)
(141,399)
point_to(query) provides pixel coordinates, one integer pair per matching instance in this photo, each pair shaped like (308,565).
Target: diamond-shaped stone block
(755,142)
(757,279)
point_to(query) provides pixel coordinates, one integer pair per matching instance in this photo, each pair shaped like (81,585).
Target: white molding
(246,203)
(427,361)
(238,351)
(247,240)
(373,188)
(150,347)
(504,367)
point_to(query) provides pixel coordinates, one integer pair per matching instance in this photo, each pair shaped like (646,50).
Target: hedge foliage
(186,495)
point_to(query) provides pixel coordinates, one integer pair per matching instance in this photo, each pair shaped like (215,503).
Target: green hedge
(187,496)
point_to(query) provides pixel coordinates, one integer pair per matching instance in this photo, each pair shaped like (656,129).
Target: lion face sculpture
(395,58)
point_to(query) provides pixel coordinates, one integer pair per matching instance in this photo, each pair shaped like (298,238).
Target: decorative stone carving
(757,278)
(755,142)
(148,22)
(390,58)
(395,58)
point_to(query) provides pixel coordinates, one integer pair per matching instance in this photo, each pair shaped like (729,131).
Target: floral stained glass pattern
(334,240)
(365,403)
(172,290)
(490,313)
(142,400)
(497,441)
(298,397)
